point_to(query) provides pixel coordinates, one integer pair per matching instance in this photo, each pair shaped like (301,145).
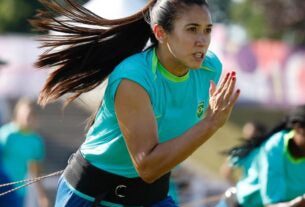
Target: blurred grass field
(208,158)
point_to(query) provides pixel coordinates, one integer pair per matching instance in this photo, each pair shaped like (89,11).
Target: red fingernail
(233,73)
(238,91)
(233,78)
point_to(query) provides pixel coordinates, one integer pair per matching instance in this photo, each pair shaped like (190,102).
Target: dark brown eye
(208,30)
(192,29)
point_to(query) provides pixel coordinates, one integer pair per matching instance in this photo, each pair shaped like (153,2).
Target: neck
(170,62)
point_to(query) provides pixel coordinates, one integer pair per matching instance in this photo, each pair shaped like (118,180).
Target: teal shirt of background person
(18,149)
(248,186)
(281,175)
(178,104)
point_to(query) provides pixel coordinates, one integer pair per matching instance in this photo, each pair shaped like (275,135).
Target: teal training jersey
(281,175)
(248,186)
(178,104)
(271,174)
(18,149)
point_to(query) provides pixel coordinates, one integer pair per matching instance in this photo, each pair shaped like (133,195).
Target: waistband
(102,185)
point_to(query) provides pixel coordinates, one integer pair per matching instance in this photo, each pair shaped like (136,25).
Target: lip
(198,58)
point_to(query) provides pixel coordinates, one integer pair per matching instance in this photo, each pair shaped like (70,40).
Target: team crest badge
(200,109)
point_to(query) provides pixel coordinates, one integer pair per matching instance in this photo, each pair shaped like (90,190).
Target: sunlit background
(262,40)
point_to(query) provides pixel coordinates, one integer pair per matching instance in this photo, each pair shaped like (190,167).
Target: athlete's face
(190,38)
(25,117)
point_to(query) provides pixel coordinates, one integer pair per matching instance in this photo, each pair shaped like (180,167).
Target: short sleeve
(134,69)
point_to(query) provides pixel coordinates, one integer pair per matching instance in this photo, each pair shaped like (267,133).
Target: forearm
(165,156)
(35,170)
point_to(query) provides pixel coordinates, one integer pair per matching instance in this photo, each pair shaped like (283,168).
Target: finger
(223,82)
(224,88)
(212,88)
(234,98)
(230,88)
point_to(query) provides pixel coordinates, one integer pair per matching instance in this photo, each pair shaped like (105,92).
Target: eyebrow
(195,24)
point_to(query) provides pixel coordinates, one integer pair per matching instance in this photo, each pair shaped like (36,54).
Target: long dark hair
(297,115)
(248,145)
(89,46)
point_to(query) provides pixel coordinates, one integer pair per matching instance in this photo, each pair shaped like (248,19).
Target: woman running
(161,102)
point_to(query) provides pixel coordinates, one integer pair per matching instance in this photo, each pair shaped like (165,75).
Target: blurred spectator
(250,130)
(4,111)
(4,108)
(274,174)
(23,149)
(253,129)
(11,199)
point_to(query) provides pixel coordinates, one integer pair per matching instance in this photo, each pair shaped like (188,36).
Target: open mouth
(198,56)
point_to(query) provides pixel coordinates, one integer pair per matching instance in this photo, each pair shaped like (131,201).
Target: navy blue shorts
(67,198)
(12,199)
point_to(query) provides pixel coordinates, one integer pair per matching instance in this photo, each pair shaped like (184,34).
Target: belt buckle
(118,189)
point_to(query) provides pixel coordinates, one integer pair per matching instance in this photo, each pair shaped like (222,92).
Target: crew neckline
(164,72)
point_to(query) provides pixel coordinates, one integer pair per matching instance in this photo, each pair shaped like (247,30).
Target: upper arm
(136,120)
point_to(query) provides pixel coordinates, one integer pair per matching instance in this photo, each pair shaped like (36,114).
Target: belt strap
(94,182)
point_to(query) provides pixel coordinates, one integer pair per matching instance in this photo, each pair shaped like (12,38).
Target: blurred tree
(277,19)
(15,13)
(220,10)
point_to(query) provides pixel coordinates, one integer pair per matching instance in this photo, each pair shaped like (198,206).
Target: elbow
(147,178)
(146,173)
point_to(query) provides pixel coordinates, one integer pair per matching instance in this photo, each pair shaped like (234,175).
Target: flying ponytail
(86,48)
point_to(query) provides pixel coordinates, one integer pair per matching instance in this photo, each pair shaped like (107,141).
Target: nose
(202,40)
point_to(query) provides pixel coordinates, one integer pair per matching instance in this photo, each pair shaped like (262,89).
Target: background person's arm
(35,169)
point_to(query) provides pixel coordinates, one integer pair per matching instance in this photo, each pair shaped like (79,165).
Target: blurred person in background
(23,149)
(11,199)
(4,106)
(274,174)
(160,104)
(5,111)
(250,130)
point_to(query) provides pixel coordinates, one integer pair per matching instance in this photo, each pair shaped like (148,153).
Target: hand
(222,100)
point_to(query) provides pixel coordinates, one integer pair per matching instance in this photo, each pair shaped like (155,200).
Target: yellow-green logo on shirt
(200,109)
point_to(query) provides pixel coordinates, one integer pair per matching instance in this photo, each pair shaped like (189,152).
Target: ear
(159,32)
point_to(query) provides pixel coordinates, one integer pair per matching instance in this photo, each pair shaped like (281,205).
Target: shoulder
(136,68)
(212,62)
(8,129)
(139,63)
(275,141)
